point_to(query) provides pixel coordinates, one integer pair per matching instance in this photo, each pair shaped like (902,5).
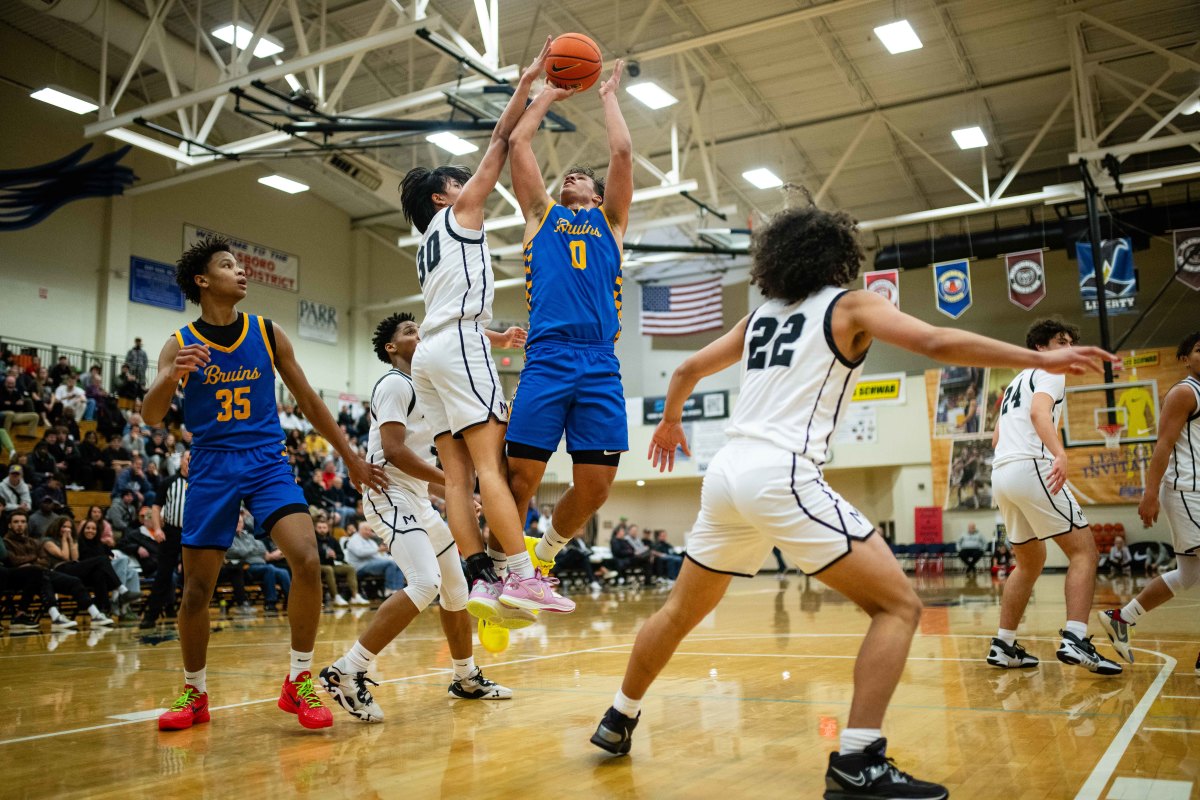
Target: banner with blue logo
(153,283)
(1120,282)
(952,285)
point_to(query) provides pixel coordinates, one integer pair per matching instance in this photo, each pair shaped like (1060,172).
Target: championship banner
(952,285)
(1026,278)
(886,283)
(263,264)
(1187,257)
(1120,282)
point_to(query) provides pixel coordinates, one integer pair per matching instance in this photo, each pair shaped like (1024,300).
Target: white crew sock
(1079,629)
(499,562)
(55,614)
(855,740)
(521,565)
(300,662)
(94,612)
(197,679)
(1008,637)
(1132,611)
(463,667)
(357,659)
(627,705)
(549,545)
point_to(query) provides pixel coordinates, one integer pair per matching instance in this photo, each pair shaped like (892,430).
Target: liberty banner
(1187,257)
(952,285)
(1026,278)
(1120,282)
(263,264)
(886,283)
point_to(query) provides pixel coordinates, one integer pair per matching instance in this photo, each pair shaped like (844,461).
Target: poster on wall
(317,321)
(970,487)
(859,426)
(958,408)
(701,405)
(264,265)
(998,379)
(153,283)
(1187,257)
(707,437)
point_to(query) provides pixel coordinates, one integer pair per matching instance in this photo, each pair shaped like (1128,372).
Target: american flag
(681,308)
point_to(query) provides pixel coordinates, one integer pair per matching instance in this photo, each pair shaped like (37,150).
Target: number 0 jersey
(795,381)
(455,271)
(229,404)
(1018,438)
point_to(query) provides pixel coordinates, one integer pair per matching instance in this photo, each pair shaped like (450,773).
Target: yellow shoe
(493,638)
(544,566)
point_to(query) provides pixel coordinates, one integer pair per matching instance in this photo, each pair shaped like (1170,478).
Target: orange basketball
(574,62)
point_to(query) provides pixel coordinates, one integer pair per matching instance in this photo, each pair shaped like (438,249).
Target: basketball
(574,62)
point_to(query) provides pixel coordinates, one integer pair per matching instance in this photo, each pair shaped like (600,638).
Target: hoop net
(1112,435)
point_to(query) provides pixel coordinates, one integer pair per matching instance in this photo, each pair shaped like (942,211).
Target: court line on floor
(1172,730)
(1107,765)
(1181,697)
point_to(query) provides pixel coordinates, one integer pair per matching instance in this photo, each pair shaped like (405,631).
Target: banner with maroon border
(264,265)
(1187,257)
(886,283)
(1026,278)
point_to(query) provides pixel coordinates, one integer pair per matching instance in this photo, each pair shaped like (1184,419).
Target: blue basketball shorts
(219,481)
(570,388)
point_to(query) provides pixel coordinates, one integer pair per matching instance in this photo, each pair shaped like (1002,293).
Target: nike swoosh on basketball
(860,780)
(557,68)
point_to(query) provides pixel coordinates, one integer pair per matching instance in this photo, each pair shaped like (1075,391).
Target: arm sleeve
(393,400)
(1053,385)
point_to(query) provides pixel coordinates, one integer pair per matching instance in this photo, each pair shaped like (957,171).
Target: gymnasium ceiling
(805,89)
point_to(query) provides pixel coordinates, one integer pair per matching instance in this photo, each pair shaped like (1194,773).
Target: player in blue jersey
(571,382)
(226,362)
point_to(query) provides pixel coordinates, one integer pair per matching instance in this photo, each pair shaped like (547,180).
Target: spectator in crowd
(1001,560)
(68,428)
(71,395)
(135,440)
(15,492)
(135,479)
(545,514)
(17,408)
(6,442)
(337,499)
(141,544)
(576,556)
(41,464)
(123,514)
(27,378)
(128,387)
(51,489)
(45,403)
(96,514)
(93,388)
(137,361)
(93,542)
(370,558)
(65,455)
(628,551)
(1120,559)
(45,516)
(156,449)
(25,581)
(61,551)
(334,566)
(91,461)
(25,553)
(667,562)
(363,427)
(60,371)
(172,454)
(971,546)
(260,565)
(288,419)
(116,458)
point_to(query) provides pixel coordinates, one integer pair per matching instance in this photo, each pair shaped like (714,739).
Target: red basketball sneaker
(189,709)
(299,697)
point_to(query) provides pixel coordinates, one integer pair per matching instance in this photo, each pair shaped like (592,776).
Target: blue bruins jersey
(230,403)
(573,277)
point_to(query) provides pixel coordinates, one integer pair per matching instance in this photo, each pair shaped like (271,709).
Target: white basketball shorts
(1182,510)
(419,540)
(456,381)
(1029,510)
(757,496)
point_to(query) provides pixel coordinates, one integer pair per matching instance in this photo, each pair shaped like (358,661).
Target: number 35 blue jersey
(229,404)
(573,277)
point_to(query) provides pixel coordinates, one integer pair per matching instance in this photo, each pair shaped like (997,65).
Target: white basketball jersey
(455,271)
(394,400)
(1182,469)
(795,382)
(1018,438)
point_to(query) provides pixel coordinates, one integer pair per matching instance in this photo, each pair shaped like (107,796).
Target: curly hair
(1188,343)
(802,250)
(384,332)
(420,185)
(1042,332)
(194,262)
(583,169)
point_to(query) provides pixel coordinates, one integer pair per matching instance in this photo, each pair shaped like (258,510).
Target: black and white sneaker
(871,774)
(1117,631)
(23,623)
(1010,656)
(351,693)
(477,687)
(615,732)
(1082,652)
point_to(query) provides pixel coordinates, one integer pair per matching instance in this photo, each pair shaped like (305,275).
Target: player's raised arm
(1178,406)
(173,363)
(527,181)
(468,208)
(618,191)
(361,473)
(723,353)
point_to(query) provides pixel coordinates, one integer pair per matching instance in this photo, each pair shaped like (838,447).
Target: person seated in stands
(41,464)
(123,514)
(1001,560)
(1119,558)
(128,387)
(156,449)
(68,427)
(334,566)
(14,492)
(16,408)
(64,453)
(135,479)
(335,499)
(628,555)
(25,553)
(91,461)
(370,558)
(14,581)
(45,404)
(46,514)
(61,553)
(971,546)
(667,562)
(93,542)
(116,458)
(71,395)
(576,556)
(261,565)
(141,545)
(362,428)
(288,419)
(135,440)
(60,371)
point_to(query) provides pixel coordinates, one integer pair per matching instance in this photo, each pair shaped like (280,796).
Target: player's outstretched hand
(1058,475)
(1076,360)
(558,93)
(1148,508)
(514,337)
(190,358)
(534,70)
(667,436)
(366,475)
(610,86)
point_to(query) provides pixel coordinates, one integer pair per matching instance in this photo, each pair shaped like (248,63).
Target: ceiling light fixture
(283,184)
(762,178)
(57,96)
(652,95)
(898,37)
(239,37)
(970,138)
(451,143)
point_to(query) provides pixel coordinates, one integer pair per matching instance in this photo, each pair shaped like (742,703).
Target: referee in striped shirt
(168,518)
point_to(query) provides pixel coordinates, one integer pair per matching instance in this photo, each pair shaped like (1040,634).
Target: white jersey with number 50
(455,271)
(795,382)
(1018,438)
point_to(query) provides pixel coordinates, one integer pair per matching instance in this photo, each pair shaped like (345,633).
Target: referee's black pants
(162,593)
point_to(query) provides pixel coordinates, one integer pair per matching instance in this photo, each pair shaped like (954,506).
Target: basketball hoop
(1112,435)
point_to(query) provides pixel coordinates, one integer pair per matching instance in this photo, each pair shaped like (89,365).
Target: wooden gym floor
(750,707)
